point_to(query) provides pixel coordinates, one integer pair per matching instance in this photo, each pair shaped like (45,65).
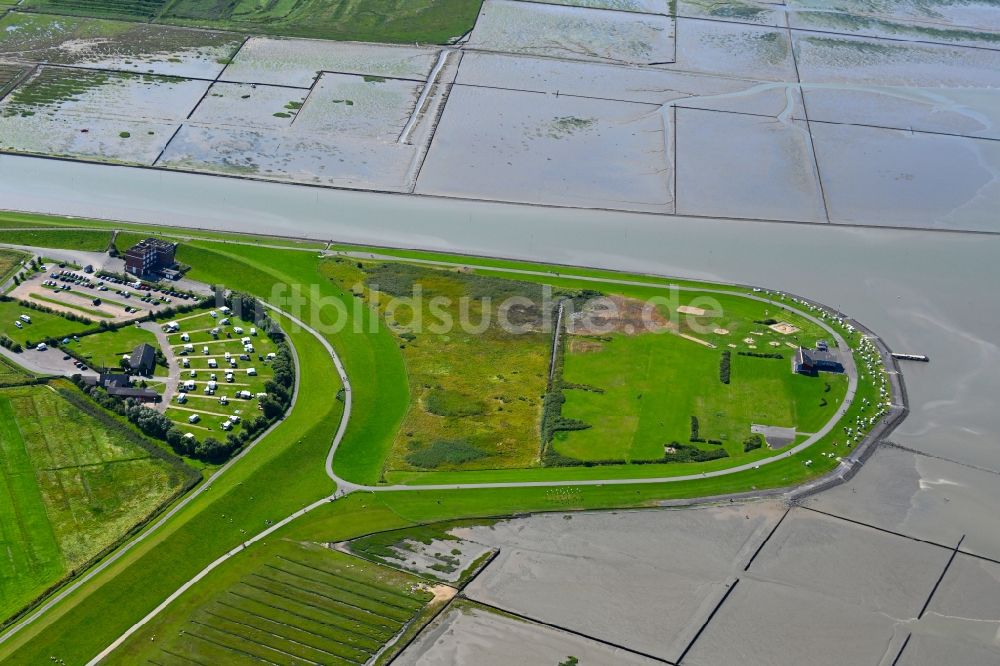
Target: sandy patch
(691,310)
(721,331)
(442,593)
(784,328)
(698,340)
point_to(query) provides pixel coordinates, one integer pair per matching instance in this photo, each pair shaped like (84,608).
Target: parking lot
(96,296)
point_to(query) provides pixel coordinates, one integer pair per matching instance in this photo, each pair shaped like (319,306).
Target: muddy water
(927,293)
(930,293)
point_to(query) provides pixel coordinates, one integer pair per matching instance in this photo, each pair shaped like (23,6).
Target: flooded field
(297,62)
(596,104)
(507,144)
(246,105)
(575,33)
(118,45)
(908,179)
(923,292)
(99,115)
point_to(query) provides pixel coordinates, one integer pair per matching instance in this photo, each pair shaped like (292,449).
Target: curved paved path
(345,487)
(850,369)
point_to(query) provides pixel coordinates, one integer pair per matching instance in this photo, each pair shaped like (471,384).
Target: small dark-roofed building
(149,256)
(813,361)
(120,385)
(141,394)
(143,359)
(115,379)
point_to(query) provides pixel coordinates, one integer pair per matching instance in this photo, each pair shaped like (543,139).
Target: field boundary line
(944,572)
(805,113)
(450,197)
(767,538)
(902,649)
(556,627)
(711,616)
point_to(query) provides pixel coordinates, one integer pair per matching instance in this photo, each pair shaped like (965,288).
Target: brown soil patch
(628,316)
(585,345)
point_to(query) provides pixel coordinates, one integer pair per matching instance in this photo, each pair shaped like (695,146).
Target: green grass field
(11,373)
(10,260)
(106,349)
(89,241)
(404,21)
(651,385)
(70,487)
(43,326)
(302,604)
(291,460)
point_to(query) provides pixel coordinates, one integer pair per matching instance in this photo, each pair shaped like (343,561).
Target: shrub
(761,354)
(688,453)
(724,366)
(752,443)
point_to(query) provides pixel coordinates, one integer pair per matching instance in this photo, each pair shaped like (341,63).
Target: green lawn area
(106,349)
(653,384)
(10,260)
(303,601)
(10,372)
(43,326)
(90,241)
(70,487)
(403,21)
(285,473)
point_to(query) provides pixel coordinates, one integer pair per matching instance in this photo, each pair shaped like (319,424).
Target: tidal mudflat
(763,167)
(469,634)
(522,146)
(904,178)
(646,579)
(922,496)
(578,103)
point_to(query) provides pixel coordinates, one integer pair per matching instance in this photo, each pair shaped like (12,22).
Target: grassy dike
(285,472)
(279,476)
